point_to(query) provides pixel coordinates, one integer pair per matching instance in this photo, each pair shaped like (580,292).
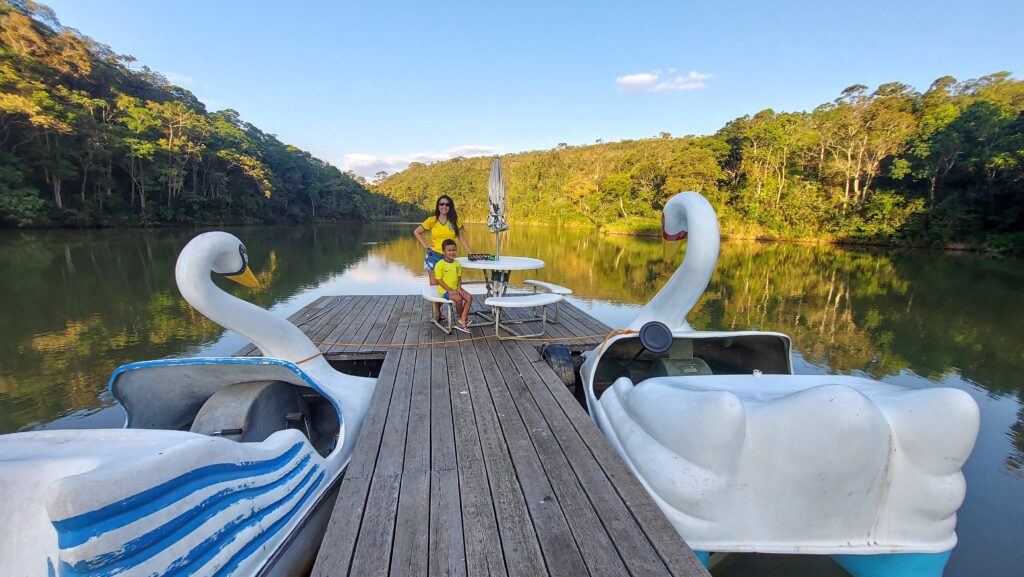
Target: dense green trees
(889,165)
(85,140)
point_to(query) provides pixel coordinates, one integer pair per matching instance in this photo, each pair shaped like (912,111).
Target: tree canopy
(85,140)
(890,165)
(88,140)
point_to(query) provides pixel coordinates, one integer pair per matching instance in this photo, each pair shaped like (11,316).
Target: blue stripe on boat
(195,559)
(208,549)
(74,531)
(254,545)
(143,548)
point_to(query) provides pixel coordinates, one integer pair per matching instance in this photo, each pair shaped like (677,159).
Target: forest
(85,140)
(890,165)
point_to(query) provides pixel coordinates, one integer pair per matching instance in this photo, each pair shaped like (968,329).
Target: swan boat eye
(245,260)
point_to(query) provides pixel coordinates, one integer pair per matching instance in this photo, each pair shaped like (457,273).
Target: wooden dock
(475,459)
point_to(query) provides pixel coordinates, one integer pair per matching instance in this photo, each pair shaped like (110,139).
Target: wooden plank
(571,324)
(447,550)
(390,314)
(295,318)
(374,322)
(373,549)
(341,321)
(380,323)
(474,459)
(346,331)
(483,547)
(337,315)
(336,551)
(519,543)
(596,546)
(314,311)
(411,542)
(671,548)
(301,318)
(592,325)
(561,552)
(632,544)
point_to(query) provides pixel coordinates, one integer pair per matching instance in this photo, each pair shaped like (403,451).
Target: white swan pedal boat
(226,466)
(744,456)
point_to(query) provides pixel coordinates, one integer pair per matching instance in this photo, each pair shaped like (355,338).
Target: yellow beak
(246,279)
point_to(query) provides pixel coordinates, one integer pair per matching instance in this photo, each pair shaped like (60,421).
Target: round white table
(501,268)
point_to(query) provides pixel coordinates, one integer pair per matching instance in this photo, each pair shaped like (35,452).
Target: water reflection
(78,304)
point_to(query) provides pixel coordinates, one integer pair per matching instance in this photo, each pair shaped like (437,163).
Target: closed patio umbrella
(496,201)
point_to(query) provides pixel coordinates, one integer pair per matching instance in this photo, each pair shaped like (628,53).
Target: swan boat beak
(245,278)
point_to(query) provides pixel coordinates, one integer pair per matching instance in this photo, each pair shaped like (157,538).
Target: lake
(77,304)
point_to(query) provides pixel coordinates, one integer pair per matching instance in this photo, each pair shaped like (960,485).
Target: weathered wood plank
(380,325)
(447,551)
(345,332)
(586,322)
(474,459)
(411,542)
(518,537)
(561,552)
(671,548)
(336,552)
(376,317)
(632,545)
(335,316)
(373,550)
(483,547)
(596,547)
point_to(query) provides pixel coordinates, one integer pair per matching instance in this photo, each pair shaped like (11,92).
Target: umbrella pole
(497,243)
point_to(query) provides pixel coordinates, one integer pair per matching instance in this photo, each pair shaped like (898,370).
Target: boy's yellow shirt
(447,272)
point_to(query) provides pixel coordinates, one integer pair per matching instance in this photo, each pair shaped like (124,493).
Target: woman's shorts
(431,260)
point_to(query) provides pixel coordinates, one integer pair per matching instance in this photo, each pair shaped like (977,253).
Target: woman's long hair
(453,216)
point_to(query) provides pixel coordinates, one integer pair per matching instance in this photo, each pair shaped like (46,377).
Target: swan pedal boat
(742,455)
(226,466)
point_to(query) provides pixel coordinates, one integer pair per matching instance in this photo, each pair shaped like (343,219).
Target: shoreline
(920,245)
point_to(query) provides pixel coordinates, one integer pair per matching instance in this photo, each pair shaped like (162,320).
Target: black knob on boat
(656,337)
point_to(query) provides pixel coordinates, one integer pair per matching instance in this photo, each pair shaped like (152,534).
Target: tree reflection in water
(78,304)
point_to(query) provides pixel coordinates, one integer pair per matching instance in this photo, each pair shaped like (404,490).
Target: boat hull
(866,472)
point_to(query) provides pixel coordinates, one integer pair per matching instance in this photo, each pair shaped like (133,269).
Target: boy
(449,283)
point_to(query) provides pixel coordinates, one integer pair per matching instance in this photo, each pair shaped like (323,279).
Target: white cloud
(646,82)
(368,165)
(641,82)
(179,79)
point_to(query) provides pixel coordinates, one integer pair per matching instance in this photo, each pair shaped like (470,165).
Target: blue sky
(371,86)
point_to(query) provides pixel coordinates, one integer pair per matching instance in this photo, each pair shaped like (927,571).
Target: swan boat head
(222,464)
(288,354)
(743,455)
(686,216)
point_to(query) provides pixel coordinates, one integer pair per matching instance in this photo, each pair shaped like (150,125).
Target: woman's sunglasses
(442,204)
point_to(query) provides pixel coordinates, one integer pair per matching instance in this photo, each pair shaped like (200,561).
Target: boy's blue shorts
(431,259)
(445,296)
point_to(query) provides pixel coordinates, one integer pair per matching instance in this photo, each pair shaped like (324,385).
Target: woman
(442,226)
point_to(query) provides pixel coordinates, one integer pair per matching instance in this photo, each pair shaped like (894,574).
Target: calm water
(75,305)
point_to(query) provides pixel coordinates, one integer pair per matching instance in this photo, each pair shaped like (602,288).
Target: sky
(372,86)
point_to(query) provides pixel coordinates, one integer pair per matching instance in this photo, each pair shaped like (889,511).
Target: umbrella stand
(496,220)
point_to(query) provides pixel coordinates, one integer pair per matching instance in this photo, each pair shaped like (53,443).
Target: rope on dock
(456,342)
(470,339)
